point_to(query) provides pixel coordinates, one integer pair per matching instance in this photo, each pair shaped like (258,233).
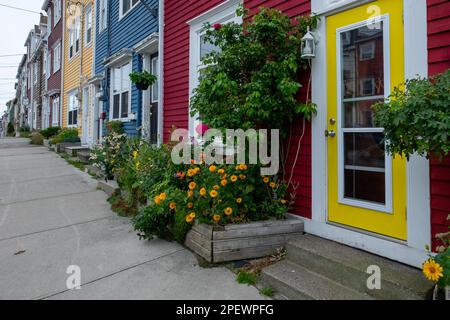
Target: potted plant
(437,268)
(143,80)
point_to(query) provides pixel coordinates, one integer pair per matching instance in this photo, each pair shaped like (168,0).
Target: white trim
(418,168)
(223,13)
(387,207)
(149,45)
(418,189)
(123,15)
(329,7)
(161,73)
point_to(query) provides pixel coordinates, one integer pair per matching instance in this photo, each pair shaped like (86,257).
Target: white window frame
(103,15)
(56,11)
(123,14)
(74,36)
(88,25)
(155,71)
(223,13)
(50,18)
(55,111)
(111,104)
(71,108)
(388,206)
(57,57)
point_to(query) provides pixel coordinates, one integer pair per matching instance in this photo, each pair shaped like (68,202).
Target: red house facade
(334,197)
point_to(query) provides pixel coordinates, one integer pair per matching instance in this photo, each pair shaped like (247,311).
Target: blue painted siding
(121,34)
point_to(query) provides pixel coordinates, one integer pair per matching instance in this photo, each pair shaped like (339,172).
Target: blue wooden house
(126,40)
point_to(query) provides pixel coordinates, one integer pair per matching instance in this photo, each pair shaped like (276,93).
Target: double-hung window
(57,57)
(88,25)
(57,11)
(74,38)
(127,5)
(74,105)
(200,47)
(103,15)
(121,92)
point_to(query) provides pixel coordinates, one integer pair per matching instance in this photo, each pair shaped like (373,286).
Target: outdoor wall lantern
(308,46)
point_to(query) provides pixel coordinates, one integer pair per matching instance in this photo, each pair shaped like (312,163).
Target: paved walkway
(52,217)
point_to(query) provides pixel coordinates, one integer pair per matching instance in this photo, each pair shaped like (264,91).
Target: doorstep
(320,269)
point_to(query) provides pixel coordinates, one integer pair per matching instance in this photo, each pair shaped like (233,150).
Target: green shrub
(114,127)
(50,132)
(417,118)
(66,135)
(249,278)
(11,132)
(37,139)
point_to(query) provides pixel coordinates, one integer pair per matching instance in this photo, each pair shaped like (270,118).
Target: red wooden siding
(302,171)
(176,59)
(176,81)
(439,61)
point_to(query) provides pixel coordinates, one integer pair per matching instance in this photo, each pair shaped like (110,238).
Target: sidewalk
(52,217)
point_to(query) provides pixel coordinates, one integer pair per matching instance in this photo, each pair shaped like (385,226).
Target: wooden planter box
(244,241)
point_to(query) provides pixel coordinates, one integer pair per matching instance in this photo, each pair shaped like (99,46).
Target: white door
(86,99)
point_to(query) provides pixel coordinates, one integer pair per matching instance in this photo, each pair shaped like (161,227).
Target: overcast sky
(15,26)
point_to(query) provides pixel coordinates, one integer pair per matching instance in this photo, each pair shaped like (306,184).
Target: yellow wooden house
(78,65)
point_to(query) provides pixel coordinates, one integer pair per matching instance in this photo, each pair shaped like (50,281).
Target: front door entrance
(365,61)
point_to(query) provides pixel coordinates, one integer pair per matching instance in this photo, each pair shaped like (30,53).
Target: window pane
(116,80)
(116,105)
(70,118)
(364,150)
(125,6)
(155,70)
(359,114)
(206,47)
(124,112)
(365,185)
(75,117)
(362,62)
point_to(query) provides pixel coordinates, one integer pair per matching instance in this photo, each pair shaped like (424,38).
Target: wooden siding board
(439,61)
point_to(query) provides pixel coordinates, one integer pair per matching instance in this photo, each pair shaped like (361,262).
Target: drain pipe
(161,72)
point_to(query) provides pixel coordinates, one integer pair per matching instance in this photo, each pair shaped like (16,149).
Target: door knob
(330,133)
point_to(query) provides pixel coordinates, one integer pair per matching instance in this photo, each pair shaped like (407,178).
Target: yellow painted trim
(392,225)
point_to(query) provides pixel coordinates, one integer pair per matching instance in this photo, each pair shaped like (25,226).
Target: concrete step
(72,151)
(298,283)
(84,156)
(349,266)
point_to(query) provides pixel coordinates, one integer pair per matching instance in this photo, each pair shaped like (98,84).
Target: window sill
(121,119)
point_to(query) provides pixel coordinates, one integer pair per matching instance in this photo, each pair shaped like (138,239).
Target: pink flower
(217,26)
(201,129)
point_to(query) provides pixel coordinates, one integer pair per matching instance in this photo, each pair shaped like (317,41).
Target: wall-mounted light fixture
(308,46)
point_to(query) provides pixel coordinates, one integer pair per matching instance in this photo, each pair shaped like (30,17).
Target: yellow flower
(212,169)
(216,218)
(273,185)
(192,185)
(197,170)
(224,176)
(203,192)
(193,215)
(157,200)
(221,171)
(242,167)
(163,196)
(214,194)
(242,177)
(135,154)
(224,182)
(216,187)
(234,178)
(138,165)
(189,219)
(191,172)
(239,200)
(432,270)
(228,211)
(190,194)
(172,206)
(266,180)
(283,201)
(190,205)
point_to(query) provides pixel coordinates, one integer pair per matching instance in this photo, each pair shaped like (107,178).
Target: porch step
(73,150)
(298,283)
(348,267)
(84,156)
